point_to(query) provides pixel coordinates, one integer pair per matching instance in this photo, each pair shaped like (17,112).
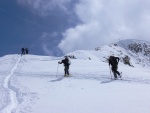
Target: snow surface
(35,84)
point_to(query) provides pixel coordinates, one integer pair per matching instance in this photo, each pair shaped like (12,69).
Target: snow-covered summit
(125,43)
(139,49)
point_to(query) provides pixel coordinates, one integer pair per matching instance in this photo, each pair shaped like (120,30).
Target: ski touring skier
(23,51)
(113,61)
(27,50)
(66,63)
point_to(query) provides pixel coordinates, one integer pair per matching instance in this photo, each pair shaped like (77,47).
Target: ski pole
(57,70)
(110,72)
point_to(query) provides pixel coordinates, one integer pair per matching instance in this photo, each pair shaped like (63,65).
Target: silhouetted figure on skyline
(23,51)
(26,50)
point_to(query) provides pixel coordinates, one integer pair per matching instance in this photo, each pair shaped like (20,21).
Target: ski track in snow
(12,94)
(103,78)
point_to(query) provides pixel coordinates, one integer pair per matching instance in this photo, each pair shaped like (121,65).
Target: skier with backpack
(66,63)
(23,51)
(26,50)
(113,61)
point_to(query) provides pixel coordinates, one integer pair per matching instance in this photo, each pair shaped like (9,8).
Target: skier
(66,63)
(27,51)
(113,61)
(23,51)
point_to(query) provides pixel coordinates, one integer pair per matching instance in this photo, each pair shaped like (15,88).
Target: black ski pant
(114,70)
(23,52)
(66,69)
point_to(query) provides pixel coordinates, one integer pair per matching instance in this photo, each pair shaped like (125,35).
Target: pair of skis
(119,78)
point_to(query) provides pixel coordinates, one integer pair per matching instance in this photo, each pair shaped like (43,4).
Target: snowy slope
(35,84)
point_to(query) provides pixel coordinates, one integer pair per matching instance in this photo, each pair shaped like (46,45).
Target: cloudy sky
(56,27)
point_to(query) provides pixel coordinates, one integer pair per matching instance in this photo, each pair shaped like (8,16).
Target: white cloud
(46,44)
(44,7)
(104,21)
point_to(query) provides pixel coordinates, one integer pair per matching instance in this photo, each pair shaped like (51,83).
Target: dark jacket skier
(66,63)
(27,50)
(113,61)
(23,51)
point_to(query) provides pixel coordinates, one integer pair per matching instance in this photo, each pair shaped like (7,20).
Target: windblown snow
(35,84)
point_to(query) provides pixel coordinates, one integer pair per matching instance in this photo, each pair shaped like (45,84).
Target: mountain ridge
(138,52)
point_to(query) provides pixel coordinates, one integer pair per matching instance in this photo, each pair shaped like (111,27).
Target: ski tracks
(12,94)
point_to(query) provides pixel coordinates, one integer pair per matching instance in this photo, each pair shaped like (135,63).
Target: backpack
(66,61)
(113,60)
(69,62)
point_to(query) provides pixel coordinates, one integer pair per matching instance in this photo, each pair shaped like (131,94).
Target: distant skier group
(24,51)
(112,60)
